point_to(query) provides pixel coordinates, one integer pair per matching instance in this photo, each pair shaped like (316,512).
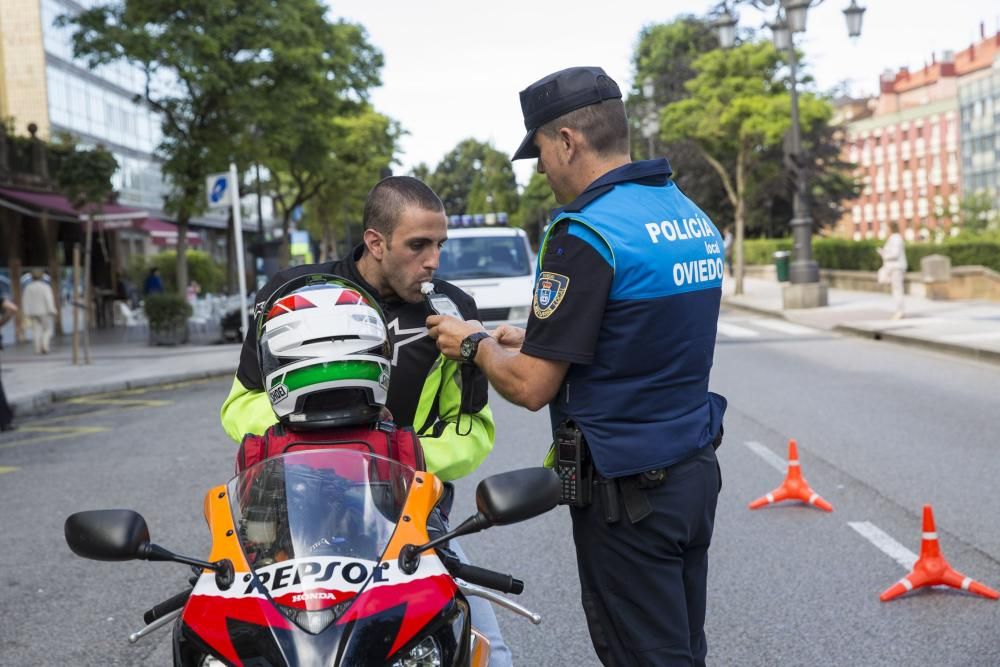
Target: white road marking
(732,331)
(785,327)
(886,544)
(772,459)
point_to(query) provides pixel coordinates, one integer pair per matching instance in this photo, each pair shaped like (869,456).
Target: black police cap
(558,94)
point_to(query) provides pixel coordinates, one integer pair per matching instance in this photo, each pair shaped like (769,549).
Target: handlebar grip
(479,576)
(165,607)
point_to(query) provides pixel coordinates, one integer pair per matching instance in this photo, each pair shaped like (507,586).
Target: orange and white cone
(931,569)
(795,487)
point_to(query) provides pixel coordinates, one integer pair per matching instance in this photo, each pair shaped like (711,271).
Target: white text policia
(671,230)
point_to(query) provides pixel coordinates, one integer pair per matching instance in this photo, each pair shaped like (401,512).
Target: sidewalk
(968,328)
(33,381)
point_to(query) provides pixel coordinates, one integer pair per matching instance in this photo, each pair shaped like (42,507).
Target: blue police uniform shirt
(627,290)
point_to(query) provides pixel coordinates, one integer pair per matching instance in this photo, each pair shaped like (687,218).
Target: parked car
(495,265)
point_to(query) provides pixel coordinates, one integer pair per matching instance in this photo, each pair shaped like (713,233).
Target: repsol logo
(311,573)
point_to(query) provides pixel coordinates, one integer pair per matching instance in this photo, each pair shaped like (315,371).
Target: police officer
(405,227)
(619,344)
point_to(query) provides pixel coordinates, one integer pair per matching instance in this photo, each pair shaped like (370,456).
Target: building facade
(979,109)
(931,137)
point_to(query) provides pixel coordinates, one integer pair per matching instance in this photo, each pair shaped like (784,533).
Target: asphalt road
(881,430)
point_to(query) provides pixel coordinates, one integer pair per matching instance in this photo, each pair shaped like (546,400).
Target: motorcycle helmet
(324,353)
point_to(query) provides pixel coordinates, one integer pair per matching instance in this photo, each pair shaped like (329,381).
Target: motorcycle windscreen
(314,524)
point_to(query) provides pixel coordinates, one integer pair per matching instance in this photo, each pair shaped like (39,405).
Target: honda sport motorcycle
(323,557)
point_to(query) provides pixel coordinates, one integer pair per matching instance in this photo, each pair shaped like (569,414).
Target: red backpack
(383,439)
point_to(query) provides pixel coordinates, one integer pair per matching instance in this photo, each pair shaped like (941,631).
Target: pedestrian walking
(619,345)
(153,283)
(894,267)
(39,307)
(7,311)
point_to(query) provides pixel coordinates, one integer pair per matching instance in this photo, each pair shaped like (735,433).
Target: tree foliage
(364,149)
(84,175)
(474,177)
(217,70)
(537,202)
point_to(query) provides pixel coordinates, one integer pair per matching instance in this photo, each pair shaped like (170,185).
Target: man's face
(552,163)
(413,251)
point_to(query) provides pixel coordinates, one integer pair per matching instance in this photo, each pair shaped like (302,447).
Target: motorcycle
(325,557)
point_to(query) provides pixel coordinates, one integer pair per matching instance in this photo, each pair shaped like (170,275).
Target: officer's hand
(509,336)
(449,332)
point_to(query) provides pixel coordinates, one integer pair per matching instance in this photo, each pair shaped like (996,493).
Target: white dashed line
(886,544)
(785,327)
(732,331)
(772,459)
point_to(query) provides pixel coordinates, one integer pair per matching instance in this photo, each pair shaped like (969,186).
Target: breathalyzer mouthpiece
(426,288)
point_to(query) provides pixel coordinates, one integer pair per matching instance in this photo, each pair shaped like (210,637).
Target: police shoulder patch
(550,288)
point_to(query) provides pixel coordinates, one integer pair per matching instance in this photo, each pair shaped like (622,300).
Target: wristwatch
(470,345)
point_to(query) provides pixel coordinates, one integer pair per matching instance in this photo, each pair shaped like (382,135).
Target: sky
(453,68)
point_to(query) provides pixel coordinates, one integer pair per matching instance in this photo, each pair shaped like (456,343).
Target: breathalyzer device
(439,304)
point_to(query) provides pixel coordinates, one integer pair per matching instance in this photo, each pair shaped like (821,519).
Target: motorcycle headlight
(443,647)
(425,654)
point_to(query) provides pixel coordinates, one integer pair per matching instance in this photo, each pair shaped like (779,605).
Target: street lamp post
(804,290)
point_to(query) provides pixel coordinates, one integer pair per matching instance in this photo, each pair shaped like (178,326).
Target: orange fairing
(225,543)
(425,492)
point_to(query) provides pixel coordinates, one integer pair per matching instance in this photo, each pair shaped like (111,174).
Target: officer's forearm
(530,382)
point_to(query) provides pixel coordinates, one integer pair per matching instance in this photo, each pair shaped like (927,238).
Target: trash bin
(781,260)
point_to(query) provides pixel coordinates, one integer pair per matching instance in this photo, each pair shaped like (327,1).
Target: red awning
(109,216)
(165,233)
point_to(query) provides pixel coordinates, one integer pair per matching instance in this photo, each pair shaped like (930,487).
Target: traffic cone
(931,569)
(795,487)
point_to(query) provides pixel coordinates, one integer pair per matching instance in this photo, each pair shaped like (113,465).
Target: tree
(738,109)
(214,67)
(324,71)
(474,177)
(978,212)
(364,148)
(665,54)
(537,202)
(85,177)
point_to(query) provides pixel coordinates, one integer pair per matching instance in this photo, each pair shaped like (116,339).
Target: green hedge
(201,267)
(863,255)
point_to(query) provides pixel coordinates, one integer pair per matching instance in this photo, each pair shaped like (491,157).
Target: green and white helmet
(324,352)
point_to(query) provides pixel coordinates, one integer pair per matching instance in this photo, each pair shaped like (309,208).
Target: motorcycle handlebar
(480,576)
(167,606)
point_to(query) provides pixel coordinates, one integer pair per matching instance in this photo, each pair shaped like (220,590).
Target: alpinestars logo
(398,340)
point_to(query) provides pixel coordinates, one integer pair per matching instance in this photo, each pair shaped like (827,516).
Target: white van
(495,265)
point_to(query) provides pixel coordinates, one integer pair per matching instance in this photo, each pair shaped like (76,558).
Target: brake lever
(496,598)
(154,626)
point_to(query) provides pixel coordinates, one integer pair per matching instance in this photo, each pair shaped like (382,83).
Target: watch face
(467,349)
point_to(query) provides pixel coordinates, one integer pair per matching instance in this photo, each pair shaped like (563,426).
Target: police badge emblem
(550,288)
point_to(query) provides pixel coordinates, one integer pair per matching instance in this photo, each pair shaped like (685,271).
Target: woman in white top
(894,266)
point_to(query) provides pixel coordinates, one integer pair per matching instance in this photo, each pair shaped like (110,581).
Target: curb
(759,310)
(42,400)
(975,353)
(978,354)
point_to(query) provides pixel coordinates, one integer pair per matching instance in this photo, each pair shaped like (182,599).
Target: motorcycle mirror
(112,535)
(517,495)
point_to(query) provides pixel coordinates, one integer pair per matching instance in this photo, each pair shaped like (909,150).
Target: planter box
(173,335)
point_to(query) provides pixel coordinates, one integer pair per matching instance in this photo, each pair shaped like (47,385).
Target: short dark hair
(386,201)
(604,125)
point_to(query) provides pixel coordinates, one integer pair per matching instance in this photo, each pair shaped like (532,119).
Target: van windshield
(484,257)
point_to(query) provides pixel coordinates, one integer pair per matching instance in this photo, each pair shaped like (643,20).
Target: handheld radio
(439,304)
(572,467)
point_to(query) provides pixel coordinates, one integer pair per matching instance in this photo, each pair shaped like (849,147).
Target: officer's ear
(570,143)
